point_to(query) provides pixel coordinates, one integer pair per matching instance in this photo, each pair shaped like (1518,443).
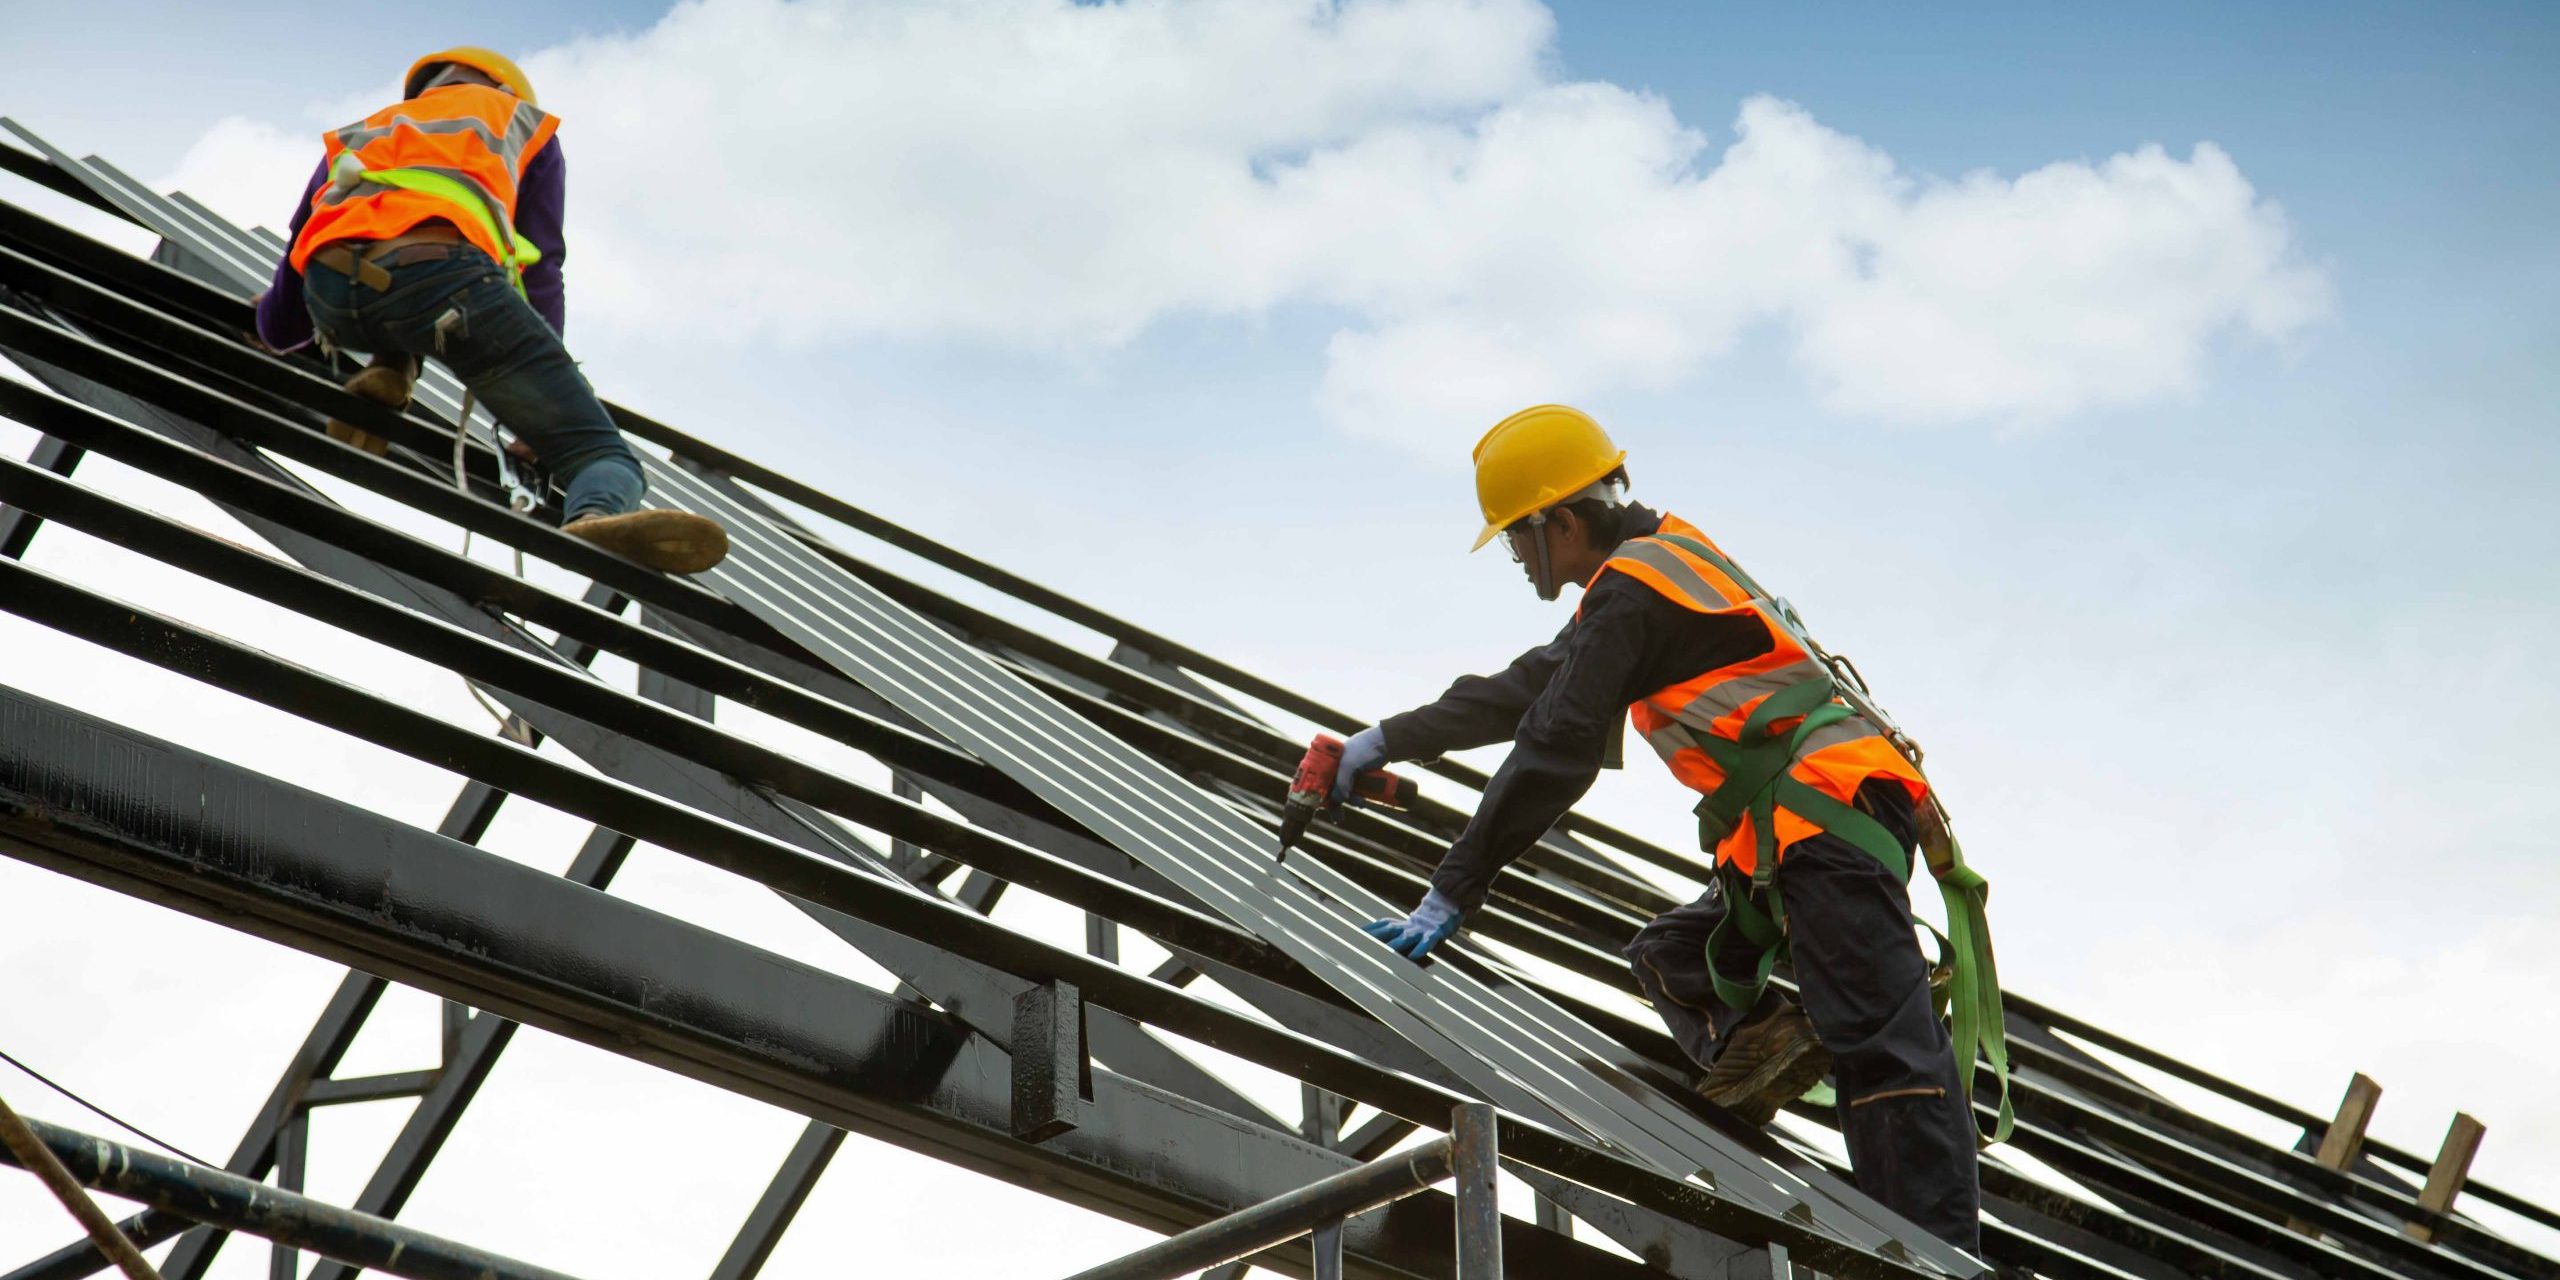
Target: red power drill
(1313,786)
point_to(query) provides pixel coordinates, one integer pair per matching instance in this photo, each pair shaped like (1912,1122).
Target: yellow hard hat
(497,66)
(1537,458)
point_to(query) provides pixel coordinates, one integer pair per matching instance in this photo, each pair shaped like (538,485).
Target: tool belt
(368,262)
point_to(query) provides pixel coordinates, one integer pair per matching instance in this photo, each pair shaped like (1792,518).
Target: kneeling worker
(1817,821)
(433,228)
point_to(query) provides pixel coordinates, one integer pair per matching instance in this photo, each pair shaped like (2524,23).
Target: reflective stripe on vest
(1833,758)
(457,152)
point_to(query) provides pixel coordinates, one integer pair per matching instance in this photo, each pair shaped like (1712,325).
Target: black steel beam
(381,1088)
(98,359)
(301,385)
(17,527)
(501,666)
(248,494)
(116,808)
(1523,925)
(2364,1190)
(38,170)
(1122,1038)
(466,820)
(2203,1179)
(484,1038)
(254,496)
(471,813)
(1115,1026)
(780,1203)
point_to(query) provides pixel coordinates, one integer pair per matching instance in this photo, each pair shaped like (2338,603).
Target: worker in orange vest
(432,228)
(1810,811)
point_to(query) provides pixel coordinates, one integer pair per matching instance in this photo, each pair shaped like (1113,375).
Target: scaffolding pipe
(227,1200)
(1474,1158)
(1330,1200)
(27,1151)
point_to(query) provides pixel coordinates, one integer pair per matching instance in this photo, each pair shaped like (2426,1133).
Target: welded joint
(1052,1076)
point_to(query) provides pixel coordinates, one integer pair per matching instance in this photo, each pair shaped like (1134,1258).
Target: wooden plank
(2345,1138)
(2453,1164)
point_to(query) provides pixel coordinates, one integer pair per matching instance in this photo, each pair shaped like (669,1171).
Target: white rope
(512,726)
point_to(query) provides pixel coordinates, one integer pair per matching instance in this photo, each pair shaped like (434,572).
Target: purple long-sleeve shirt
(284,323)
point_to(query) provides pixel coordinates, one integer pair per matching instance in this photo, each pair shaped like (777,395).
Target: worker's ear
(1568,528)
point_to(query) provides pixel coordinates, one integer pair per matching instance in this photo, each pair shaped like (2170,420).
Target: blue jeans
(500,348)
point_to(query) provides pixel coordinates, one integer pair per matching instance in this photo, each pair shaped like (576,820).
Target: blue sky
(2276,625)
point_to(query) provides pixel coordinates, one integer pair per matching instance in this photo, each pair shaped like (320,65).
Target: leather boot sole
(667,541)
(384,385)
(1765,1071)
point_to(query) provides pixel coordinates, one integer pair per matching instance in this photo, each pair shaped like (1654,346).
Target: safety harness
(1757,782)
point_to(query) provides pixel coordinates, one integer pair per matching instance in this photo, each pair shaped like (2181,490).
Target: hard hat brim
(1547,500)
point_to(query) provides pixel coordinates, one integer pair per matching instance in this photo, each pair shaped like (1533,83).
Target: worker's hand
(1366,750)
(1414,936)
(251,335)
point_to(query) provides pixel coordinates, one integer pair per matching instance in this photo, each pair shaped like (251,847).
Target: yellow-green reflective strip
(468,197)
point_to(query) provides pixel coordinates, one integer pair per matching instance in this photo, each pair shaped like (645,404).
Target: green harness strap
(1756,782)
(1977,1022)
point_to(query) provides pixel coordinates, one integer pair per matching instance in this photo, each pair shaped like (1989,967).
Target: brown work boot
(386,383)
(1766,1065)
(667,541)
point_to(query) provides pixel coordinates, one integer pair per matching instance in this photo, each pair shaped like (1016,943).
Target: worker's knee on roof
(1903,1054)
(1668,969)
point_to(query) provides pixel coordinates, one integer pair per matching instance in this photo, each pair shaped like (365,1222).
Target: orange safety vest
(1834,759)
(466,144)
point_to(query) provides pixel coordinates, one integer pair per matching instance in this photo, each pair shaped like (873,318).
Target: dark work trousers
(1866,988)
(503,350)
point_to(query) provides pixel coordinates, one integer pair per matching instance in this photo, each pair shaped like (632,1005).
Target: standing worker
(432,227)
(1811,812)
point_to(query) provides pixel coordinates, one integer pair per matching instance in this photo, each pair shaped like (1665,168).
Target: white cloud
(248,170)
(1059,177)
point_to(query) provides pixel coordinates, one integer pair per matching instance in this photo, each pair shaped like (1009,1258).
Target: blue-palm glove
(1414,936)
(1366,750)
